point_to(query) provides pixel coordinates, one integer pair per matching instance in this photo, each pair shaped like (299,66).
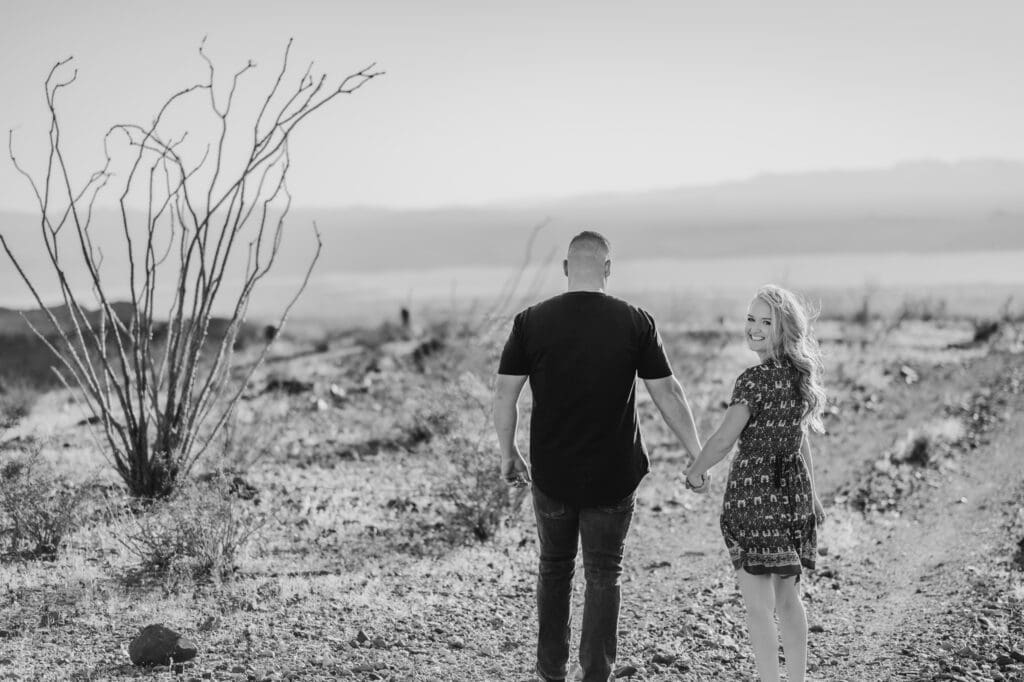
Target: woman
(771,511)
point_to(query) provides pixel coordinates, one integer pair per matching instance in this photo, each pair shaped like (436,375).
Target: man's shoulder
(617,306)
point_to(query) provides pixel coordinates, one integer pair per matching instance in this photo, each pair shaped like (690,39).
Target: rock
(625,671)
(379,643)
(361,637)
(910,376)
(816,628)
(664,659)
(158,645)
(209,623)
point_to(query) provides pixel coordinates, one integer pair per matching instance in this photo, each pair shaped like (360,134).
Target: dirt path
(936,576)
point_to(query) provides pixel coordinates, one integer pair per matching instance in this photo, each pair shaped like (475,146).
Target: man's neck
(590,286)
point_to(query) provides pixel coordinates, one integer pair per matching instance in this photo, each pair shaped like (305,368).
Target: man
(582,351)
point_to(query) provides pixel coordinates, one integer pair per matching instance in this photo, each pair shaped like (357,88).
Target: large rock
(157,645)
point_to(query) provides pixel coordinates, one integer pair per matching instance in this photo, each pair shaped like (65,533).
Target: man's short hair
(589,238)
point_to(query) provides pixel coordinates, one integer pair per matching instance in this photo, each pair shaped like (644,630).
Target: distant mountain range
(927,206)
(917,207)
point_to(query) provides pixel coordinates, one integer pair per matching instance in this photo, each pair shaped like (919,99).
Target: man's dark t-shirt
(583,351)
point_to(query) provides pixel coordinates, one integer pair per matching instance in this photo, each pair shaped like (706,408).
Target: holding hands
(701,484)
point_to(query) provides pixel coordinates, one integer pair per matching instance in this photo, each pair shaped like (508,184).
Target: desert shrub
(37,510)
(927,309)
(158,402)
(476,499)
(197,532)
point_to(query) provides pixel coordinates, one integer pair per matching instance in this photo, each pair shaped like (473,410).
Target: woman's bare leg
(792,626)
(759,596)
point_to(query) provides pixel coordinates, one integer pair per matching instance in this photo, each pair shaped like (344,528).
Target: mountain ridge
(915,206)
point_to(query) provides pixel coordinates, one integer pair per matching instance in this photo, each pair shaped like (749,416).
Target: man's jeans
(602,531)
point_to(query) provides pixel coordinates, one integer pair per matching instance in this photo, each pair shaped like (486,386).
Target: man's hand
(702,482)
(514,470)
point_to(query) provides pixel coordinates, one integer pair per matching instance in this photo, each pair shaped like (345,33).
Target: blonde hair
(791,337)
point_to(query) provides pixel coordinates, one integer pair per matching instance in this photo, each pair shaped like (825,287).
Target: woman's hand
(819,511)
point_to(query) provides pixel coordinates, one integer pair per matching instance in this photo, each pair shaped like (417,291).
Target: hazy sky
(488,101)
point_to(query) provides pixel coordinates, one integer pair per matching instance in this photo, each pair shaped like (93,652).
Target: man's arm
(506,420)
(670,398)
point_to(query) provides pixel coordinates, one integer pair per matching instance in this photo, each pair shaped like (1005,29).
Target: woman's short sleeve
(747,392)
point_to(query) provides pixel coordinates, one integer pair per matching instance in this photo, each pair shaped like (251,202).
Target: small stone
(158,645)
(626,671)
(456,643)
(664,659)
(379,643)
(209,623)
(238,669)
(361,637)
(816,628)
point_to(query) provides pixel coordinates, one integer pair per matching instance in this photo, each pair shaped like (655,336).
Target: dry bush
(210,232)
(198,532)
(475,498)
(37,510)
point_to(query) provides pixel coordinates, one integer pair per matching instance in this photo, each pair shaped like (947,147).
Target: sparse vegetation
(38,511)
(198,532)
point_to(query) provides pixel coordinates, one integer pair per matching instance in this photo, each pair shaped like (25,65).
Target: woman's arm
(719,445)
(805,454)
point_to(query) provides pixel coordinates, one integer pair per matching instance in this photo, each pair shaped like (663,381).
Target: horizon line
(528,200)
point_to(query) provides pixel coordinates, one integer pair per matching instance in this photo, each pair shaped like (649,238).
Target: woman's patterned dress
(768,514)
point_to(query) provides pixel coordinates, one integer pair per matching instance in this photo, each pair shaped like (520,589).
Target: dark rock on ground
(157,645)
